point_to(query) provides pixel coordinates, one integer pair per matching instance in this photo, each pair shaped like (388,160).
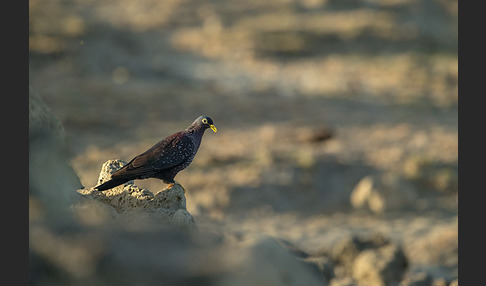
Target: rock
(322,265)
(108,168)
(438,248)
(173,199)
(362,192)
(345,251)
(430,174)
(343,281)
(91,212)
(259,260)
(41,121)
(383,266)
(68,254)
(417,279)
(52,181)
(292,248)
(167,204)
(183,218)
(454,282)
(161,256)
(382,193)
(440,282)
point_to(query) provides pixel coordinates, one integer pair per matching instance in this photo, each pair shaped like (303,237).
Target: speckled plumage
(165,159)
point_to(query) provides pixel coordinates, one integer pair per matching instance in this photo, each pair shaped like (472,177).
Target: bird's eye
(204,120)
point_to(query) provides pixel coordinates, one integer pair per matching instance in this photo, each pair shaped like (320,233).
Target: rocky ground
(337,137)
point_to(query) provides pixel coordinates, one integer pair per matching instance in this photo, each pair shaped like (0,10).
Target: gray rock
(259,260)
(91,212)
(52,181)
(322,265)
(157,256)
(41,121)
(183,218)
(292,248)
(383,266)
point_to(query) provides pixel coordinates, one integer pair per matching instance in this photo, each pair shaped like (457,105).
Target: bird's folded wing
(168,153)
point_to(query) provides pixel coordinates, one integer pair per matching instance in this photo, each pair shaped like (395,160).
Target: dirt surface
(380,78)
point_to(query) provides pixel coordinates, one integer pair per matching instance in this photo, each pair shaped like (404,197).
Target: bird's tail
(111,184)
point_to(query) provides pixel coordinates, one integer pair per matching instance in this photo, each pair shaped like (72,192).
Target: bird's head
(205,122)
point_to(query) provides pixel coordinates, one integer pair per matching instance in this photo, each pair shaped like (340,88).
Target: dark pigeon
(165,159)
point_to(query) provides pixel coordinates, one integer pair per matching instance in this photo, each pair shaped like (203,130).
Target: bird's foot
(171,185)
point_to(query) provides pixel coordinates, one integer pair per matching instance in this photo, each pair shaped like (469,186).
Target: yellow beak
(213,128)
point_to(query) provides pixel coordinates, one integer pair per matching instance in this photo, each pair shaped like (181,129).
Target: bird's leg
(171,185)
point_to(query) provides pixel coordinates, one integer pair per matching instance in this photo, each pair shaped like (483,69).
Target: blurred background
(333,117)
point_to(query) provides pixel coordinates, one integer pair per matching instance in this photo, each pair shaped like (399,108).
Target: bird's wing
(170,152)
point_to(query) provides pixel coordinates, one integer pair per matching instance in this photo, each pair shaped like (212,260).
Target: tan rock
(169,204)
(380,267)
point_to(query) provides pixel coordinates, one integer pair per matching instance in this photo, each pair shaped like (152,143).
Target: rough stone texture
(383,193)
(383,266)
(169,204)
(108,168)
